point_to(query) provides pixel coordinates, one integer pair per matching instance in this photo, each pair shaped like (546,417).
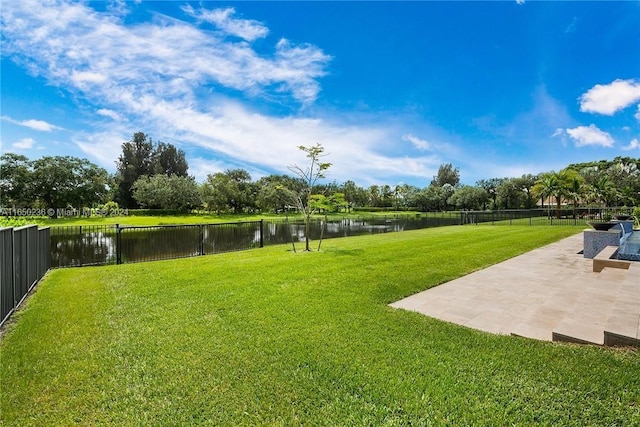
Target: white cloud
(634,144)
(237,133)
(109,113)
(420,144)
(103,146)
(24,144)
(610,98)
(75,46)
(520,1)
(40,125)
(82,77)
(119,7)
(637,115)
(590,135)
(562,134)
(155,73)
(200,167)
(247,29)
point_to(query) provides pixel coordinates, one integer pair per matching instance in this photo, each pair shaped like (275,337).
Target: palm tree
(590,196)
(603,189)
(545,187)
(557,185)
(374,195)
(386,194)
(575,190)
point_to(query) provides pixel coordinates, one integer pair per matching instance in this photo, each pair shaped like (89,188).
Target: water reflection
(98,245)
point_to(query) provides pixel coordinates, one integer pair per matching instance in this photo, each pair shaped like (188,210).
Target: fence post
(118,245)
(201,239)
(261,233)
(81,246)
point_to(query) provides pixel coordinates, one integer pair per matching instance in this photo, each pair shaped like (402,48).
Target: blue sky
(390,89)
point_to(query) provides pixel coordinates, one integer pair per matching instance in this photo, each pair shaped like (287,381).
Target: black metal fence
(287,231)
(77,246)
(116,244)
(25,257)
(546,216)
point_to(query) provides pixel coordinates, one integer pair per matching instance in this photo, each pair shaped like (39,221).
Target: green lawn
(272,337)
(152,219)
(207,218)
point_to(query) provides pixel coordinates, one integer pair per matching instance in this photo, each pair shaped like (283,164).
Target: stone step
(621,329)
(579,333)
(623,325)
(531,332)
(604,259)
(621,340)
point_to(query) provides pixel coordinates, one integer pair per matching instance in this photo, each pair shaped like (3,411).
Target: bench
(603,259)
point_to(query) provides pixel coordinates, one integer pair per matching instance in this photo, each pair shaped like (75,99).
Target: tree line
(155,176)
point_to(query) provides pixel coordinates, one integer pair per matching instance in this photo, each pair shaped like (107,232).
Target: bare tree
(310,175)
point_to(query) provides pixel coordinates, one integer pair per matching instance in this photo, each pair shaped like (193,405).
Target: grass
(150,220)
(272,337)
(544,221)
(202,218)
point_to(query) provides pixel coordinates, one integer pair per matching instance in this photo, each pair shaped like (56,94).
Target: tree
(231,190)
(431,198)
(545,187)
(604,190)
(374,195)
(310,175)
(135,161)
(214,191)
(243,193)
(509,194)
(525,183)
(63,182)
(400,193)
(140,157)
(468,197)
(333,203)
(447,174)
(350,191)
(491,187)
(409,195)
(16,177)
(386,194)
(575,188)
(446,191)
(275,192)
(623,175)
(168,160)
(553,184)
(167,192)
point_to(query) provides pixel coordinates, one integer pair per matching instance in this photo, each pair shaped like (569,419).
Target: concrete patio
(550,293)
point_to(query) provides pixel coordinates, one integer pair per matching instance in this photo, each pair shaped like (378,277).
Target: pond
(105,244)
